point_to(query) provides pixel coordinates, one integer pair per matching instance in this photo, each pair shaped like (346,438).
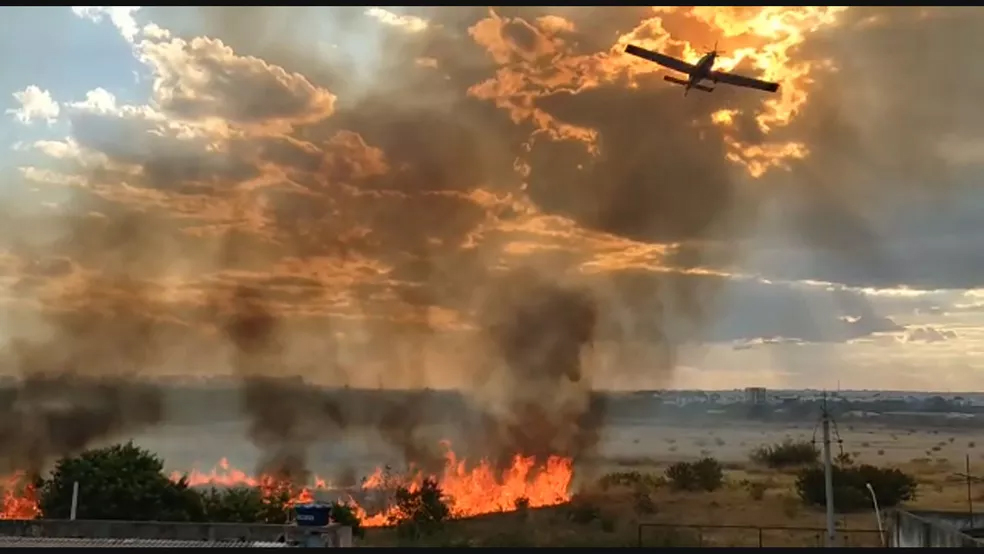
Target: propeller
(715,50)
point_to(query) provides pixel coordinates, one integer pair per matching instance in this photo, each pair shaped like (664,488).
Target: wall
(338,534)
(932,529)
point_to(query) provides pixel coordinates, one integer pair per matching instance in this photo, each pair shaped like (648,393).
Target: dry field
(753,496)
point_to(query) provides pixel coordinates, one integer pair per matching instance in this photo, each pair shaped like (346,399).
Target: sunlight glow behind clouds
(378,221)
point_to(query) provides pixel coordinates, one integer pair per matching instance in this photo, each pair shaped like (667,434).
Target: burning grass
(469,489)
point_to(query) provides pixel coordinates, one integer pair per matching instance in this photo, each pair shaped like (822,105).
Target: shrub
(420,511)
(631,479)
(582,510)
(345,515)
(608,523)
(643,503)
(786,454)
(239,505)
(757,490)
(522,505)
(705,474)
(117,482)
(891,486)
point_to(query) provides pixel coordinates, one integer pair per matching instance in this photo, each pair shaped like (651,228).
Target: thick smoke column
(538,396)
(278,411)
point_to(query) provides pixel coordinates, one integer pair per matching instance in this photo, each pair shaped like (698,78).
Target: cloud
(122,17)
(409,23)
(383,211)
(203,78)
(927,334)
(36,104)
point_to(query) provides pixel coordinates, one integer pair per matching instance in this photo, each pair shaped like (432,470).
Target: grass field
(752,495)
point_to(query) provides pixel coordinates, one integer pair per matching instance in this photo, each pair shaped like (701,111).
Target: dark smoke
(52,416)
(653,184)
(539,397)
(284,415)
(79,386)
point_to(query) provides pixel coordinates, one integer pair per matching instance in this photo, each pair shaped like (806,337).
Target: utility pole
(970,500)
(970,480)
(828,474)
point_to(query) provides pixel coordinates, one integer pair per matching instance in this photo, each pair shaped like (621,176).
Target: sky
(392,187)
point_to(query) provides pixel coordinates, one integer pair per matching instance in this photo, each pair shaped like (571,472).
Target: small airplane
(702,70)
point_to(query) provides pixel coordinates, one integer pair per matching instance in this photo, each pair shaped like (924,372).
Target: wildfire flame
(19,498)
(469,491)
(482,489)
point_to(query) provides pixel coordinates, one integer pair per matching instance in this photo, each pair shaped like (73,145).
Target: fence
(926,529)
(752,535)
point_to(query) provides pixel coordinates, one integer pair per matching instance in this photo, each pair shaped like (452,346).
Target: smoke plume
(498,193)
(536,392)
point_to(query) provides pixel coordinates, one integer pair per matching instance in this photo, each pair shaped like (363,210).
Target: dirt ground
(933,456)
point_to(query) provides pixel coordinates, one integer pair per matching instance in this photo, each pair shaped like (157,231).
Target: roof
(11,542)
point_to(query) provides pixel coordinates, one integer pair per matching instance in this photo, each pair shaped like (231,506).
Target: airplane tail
(676,81)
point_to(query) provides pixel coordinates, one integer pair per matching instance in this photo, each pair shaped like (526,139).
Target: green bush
(786,454)
(703,475)
(247,505)
(121,482)
(125,482)
(891,486)
(419,511)
(233,505)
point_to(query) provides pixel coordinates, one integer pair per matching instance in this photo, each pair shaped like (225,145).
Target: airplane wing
(661,59)
(742,81)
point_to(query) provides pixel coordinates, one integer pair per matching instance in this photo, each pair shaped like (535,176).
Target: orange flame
(19,498)
(469,491)
(482,489)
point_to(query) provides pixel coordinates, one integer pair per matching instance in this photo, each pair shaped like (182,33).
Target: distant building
(755,395)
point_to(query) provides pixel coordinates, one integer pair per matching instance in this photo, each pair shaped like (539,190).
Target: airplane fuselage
(702,71)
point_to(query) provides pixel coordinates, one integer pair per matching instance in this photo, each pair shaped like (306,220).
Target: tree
(705,474)
(786,454)
(891,486)
(121,482)
(420,511)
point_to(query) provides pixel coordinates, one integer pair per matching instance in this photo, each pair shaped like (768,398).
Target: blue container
(312,515)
